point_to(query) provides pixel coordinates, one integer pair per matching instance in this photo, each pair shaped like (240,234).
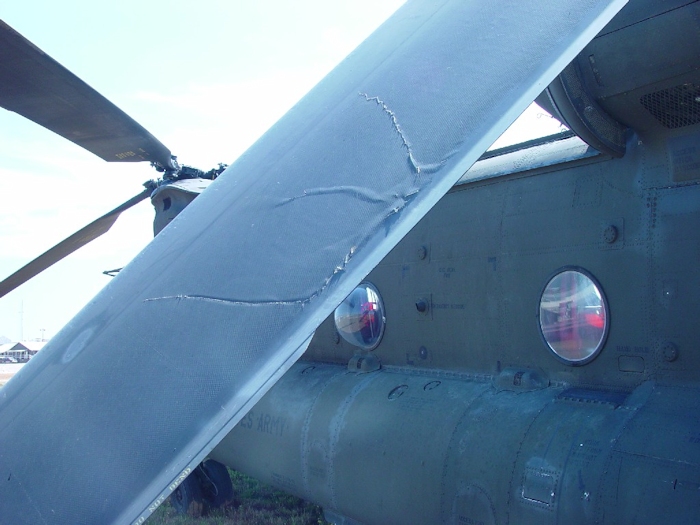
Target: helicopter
(509,343)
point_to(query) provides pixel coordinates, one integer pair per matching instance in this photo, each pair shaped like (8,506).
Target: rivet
(423,352)
(670,352)
(422,305)
(610,234)
(422,253)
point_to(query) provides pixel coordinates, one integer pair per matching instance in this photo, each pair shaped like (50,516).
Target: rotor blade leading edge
(150,375)
(68,245)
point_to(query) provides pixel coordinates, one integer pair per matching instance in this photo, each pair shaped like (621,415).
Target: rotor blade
(125,401)
(67,246)
(40,89)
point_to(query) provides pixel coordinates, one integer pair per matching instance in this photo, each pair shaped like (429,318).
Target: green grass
(256,504)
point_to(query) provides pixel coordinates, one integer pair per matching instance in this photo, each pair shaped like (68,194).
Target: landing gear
(187,497)
(215,483)
(208,487)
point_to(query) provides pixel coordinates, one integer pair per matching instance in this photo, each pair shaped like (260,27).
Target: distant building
(20,352)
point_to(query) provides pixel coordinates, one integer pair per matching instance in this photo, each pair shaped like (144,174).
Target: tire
(187,498)
(215,485)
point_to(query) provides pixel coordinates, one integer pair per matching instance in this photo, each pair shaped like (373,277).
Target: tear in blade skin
(130,393)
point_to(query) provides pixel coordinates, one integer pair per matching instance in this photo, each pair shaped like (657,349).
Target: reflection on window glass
(360,317)
(573,317)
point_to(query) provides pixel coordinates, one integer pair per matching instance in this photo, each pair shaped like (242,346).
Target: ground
(7,370)
(256,504)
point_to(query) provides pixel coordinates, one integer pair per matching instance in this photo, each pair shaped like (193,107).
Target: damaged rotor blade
(132,394)
(67,246)
(40,89)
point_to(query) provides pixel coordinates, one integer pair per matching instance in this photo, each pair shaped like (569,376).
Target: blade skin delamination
(154,371)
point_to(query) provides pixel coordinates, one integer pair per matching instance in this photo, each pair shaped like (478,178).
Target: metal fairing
(226,298)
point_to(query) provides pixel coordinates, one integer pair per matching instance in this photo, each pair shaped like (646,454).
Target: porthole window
(360,317)
(573,316)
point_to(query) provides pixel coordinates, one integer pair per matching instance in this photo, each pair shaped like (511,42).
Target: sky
(206,78)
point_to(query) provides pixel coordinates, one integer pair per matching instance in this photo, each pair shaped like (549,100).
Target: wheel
(215,484)
(187,498)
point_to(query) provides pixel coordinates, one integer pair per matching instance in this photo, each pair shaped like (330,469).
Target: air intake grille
(674,107)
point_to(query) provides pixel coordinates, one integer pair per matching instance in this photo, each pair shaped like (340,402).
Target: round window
(573,317)
(360,317)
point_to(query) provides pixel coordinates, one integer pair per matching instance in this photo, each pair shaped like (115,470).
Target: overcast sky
(206,78)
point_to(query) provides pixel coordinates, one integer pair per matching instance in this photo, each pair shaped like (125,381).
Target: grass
(256,504)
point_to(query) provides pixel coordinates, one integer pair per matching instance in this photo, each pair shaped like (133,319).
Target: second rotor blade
(67,246)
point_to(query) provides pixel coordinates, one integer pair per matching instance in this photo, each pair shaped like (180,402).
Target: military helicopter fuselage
(498,392)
